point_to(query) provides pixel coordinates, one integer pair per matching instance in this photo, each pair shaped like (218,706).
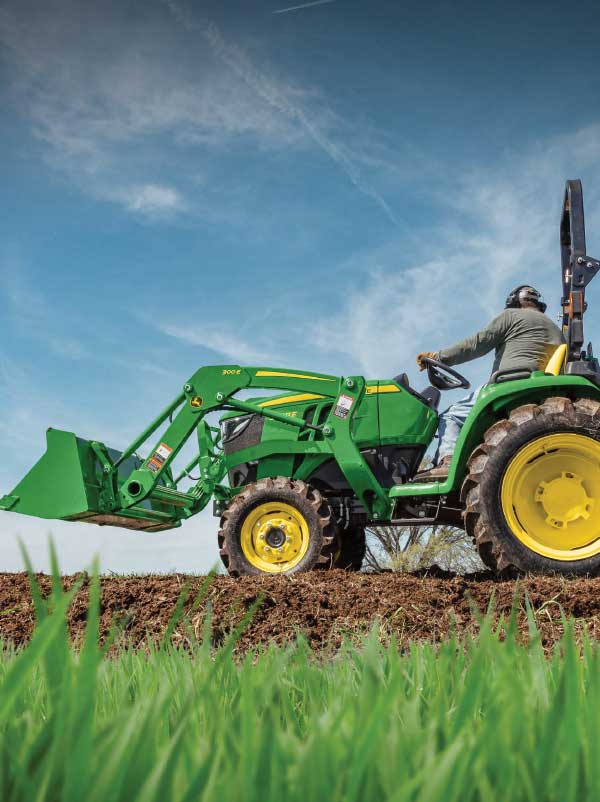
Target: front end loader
(298,470)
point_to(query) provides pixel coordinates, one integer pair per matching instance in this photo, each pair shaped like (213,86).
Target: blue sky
(333,188)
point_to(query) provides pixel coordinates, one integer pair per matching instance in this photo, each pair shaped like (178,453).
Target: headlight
(233,427)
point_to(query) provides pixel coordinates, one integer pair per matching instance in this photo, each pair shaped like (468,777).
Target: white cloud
(499,228)
(303,5)
(224,342)
(99,96)
(152,200)
(280,97)
(99,92)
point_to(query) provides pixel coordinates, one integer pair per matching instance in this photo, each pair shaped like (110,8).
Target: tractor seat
(555,366)
(430,395)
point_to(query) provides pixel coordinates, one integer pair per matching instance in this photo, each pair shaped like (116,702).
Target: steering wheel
(444,377)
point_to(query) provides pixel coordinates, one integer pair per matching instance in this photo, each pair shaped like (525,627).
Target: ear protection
(524,292)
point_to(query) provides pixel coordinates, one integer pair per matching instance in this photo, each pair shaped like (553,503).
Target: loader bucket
(66,483)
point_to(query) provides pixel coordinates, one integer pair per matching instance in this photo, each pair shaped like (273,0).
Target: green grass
(476,720)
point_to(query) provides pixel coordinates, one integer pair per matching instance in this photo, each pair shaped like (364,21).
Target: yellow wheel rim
(274,537)
(550,496)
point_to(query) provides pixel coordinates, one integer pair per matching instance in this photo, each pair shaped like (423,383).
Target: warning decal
(156,461)
(343,406)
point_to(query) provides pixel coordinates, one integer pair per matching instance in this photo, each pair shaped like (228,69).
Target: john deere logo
(196,401)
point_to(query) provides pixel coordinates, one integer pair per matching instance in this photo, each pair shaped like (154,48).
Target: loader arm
(215,388)
(119,488)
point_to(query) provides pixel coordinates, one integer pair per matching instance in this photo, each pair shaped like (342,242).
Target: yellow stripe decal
(382,388)
(290,399)
(293,375)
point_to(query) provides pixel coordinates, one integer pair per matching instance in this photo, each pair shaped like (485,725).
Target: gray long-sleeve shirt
(524,339)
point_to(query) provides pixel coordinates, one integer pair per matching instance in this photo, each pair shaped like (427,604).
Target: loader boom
(215,388)
(121,489)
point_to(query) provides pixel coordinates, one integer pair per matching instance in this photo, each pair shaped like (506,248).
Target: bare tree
(410,548)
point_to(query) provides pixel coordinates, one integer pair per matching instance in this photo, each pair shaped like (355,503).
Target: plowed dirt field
(325,607)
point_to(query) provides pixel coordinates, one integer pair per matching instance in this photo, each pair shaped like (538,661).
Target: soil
(325,607)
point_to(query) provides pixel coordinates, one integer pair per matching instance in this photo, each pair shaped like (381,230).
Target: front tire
(276,526)
(532,493)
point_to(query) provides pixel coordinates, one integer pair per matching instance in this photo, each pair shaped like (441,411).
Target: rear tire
(276,526)
(532,493)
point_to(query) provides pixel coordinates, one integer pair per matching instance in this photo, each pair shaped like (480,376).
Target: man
(524,339)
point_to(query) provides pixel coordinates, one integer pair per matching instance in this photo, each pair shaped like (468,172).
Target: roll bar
(577,269)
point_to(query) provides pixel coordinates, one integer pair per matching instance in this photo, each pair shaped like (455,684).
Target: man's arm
(478,344)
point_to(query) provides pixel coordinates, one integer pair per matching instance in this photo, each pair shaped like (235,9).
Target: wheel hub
(277,533)
(549,495)
(564,499)
(274,537)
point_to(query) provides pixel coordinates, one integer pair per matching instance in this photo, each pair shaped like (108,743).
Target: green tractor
(296,477)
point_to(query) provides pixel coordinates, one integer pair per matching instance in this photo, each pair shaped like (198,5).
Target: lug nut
(280,549)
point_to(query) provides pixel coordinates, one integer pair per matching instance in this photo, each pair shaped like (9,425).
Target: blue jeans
(451,422)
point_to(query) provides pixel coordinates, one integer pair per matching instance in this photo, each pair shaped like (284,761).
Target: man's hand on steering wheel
(425,355)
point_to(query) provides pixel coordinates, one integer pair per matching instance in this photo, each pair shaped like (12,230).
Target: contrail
(272,94)
(304,5)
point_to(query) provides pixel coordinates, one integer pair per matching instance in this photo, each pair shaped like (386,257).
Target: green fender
(491,404)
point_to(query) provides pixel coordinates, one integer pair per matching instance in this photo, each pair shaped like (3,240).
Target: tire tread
(497,547)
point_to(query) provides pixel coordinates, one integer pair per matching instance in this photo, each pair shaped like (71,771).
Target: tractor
(299,463)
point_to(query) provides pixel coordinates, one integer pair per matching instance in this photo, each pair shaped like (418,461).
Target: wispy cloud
(281,98)
(224,342)
(151,200)
(303,5)
(117,113)
(497,228)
